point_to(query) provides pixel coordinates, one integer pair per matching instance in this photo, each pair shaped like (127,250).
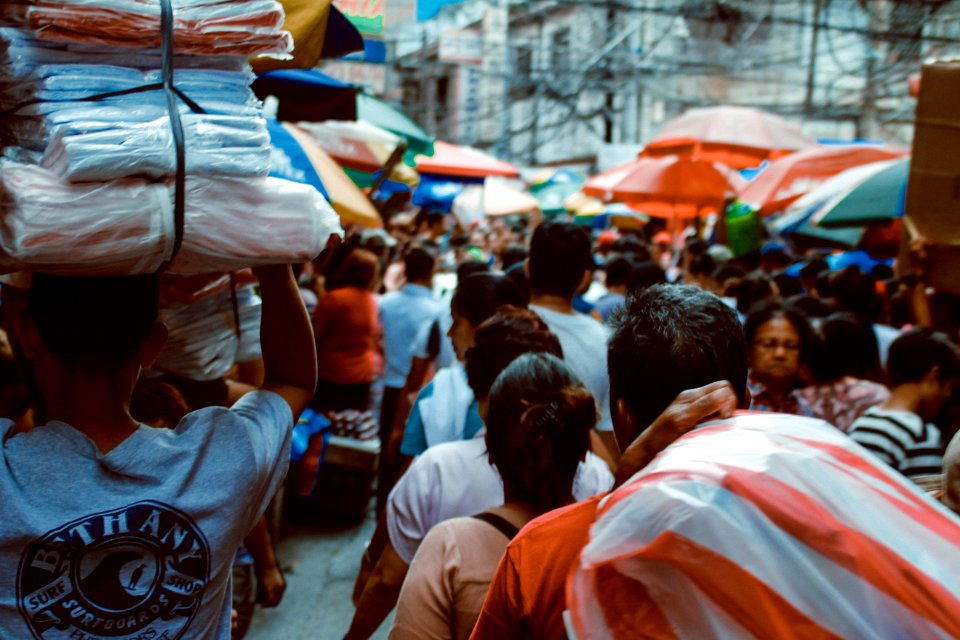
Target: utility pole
(868,125)
(608,97)
(812,65)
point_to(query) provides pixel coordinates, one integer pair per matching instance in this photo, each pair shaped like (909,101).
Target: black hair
(513,254)
(856,292)
(618,271)
(814,268)
(914,353)
(763,312)
(787,285)
(695,247)
(418,264)
(751,289)
(470,267)
(478,296)
(845,346)
(670,338)
(538,429)
(703,265)
(725,272)
(560,255)
(810,306)
(631,247)
(359,270)
(497,342)
(518,275)
(644,275)
(94,322)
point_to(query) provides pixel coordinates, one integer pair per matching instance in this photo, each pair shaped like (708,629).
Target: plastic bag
(203,340)
(126,226)
(768,526)
(240,27)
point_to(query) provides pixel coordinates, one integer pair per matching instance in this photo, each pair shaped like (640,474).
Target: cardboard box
(933,191)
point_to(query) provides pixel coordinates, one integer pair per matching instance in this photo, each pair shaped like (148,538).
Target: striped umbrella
(768,526)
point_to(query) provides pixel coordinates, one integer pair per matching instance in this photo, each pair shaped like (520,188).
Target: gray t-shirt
(137,543)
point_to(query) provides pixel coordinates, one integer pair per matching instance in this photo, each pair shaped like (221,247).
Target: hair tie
(549,415)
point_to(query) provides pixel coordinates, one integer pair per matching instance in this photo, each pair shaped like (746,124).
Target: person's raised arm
(687,410)
(286,339)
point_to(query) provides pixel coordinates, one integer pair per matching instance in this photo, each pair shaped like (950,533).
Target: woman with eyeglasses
(777,336)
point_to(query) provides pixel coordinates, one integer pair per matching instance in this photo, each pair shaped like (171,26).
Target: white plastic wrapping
(203,342)
(768,526)
(239,27)
(214,146)
(126,226)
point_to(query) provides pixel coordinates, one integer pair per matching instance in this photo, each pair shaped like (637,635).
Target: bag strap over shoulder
(500,524)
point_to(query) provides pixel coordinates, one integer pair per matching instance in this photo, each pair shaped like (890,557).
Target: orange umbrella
(790,177)
(739,137)
(667,187)
(452,160)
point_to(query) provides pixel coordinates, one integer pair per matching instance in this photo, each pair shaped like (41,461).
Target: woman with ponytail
(538,418)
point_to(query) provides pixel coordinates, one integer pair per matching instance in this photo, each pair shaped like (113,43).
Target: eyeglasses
(772,345)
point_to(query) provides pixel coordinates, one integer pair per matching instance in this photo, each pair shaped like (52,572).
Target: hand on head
(689,408)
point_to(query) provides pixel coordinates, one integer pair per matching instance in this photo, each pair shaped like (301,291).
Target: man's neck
(421,283)
(618,288)
(560,304)
(93,405)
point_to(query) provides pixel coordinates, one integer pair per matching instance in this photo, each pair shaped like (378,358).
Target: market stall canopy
(453,160)
(877,200)
(360,148)
(667,187)
(347,200)
(552,186)
(308,94)
(790,177)
(381,114)
(319,31)
(496,197)
(798,213)
(739,137)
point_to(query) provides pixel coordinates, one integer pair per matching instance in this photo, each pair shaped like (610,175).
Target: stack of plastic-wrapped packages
(89,159)
(86,181)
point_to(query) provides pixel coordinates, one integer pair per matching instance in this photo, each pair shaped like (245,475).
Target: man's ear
(26,334)
(585,281)
(624,423)
(747,398)
(152,346)
(526,267)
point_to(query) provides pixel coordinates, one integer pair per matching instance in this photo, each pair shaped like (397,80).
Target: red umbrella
(792,176)
(667,187)
(452,160)
(739,137)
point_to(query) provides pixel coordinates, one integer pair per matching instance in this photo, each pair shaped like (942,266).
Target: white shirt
(456,479)
(584,342)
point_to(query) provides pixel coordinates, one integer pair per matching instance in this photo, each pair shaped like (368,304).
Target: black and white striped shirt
(901,439)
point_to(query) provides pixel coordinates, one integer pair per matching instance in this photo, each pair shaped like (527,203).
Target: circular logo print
(136,572)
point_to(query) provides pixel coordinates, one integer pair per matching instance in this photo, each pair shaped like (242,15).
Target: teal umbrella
(551,196)
(386,117)
(842,238)
(878,199)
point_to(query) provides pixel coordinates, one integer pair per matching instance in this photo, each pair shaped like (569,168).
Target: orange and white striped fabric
(768,526)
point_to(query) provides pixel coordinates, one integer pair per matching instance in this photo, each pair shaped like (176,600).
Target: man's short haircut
(845,345)
(478,296)
(359,270)
(418,264)
(510,333)
(856,292)
(670,338)
(513,254)
(644,275)
(559,257)
(95,322)
(914,353)
(618,271)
